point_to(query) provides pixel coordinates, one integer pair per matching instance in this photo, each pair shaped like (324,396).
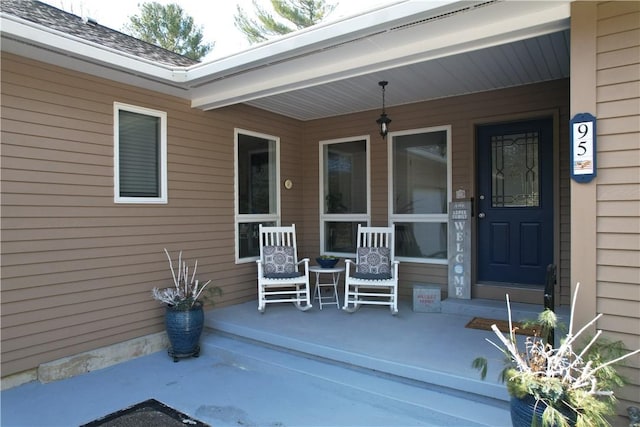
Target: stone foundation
(90,361)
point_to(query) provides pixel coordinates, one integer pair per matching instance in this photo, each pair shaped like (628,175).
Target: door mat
(503,325)
(149,413)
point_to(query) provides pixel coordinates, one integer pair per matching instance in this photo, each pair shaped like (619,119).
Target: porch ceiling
(425,53)
(425,49)
(523,62)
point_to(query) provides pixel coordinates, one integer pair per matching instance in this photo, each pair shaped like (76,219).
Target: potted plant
(559,386)
(184,315)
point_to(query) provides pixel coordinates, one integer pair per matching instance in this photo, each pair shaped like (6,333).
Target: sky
(214,16)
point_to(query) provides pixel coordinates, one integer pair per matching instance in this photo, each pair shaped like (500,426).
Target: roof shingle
(51,17)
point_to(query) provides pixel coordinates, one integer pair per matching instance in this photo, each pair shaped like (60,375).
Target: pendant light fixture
(383,121)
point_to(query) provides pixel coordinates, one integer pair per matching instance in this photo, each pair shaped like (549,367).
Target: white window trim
(241,218)
(341,217)
(434,218)
(164,196)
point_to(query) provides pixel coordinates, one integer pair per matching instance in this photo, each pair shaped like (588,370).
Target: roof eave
(36,41)
(381,39)
(315,38)
(399,40)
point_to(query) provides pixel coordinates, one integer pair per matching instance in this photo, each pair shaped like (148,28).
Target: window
(420,182)
(140,155)
(344,194)
(257,199)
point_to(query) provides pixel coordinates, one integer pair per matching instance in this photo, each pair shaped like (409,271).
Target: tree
(170,28)
(295,14)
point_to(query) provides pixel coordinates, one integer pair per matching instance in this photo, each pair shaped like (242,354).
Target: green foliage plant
(169,27)
(573,384)
(292,15)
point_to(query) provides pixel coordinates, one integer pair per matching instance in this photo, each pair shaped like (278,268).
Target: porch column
(583,195)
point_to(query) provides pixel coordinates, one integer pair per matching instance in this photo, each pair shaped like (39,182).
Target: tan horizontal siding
(67,244)
(623,89)
(619,257)
(77,268)
(618,83)
(619,208)
(618,192)
(618,240)
(624,142)
(618,184)
(462,113)
(618,225)
(615,108)
(621,291)
(622,175)
(619,125)
(620,308)
(620,274)
(618,57)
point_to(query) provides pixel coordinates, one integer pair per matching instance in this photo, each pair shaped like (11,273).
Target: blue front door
(515,202)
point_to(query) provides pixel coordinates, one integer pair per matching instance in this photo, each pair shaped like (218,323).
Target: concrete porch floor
(291,368)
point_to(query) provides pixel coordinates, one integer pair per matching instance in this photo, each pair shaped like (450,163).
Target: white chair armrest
(348,263)
(305,262)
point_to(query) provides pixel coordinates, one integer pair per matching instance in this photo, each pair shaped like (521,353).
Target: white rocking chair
(281,277)
(373,277)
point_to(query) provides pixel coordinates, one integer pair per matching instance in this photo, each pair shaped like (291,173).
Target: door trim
(516,293)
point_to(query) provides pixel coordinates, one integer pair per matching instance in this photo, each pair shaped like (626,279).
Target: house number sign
(583,147)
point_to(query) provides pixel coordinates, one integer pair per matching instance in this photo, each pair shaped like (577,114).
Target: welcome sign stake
(459,248)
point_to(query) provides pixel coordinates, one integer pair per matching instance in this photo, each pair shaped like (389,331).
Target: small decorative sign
(426,298)
(583,147)
(460,249)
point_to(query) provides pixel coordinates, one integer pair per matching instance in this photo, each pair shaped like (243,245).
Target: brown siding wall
(618,181)
(463,113)
(77,269)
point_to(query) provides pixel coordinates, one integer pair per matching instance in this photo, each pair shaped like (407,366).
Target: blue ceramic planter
(184,328)
(523,410)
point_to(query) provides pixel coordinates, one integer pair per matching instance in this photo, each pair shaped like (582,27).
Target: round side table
(335,278)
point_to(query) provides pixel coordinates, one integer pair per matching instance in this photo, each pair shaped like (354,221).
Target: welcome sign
(459,249)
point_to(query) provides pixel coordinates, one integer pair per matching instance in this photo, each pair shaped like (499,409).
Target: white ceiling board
(529,61)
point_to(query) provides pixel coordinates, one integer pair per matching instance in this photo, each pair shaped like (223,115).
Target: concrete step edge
(480,410)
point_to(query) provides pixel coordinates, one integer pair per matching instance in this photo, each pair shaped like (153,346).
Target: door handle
(481,215)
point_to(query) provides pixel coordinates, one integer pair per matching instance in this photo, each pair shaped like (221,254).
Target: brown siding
(77,269)
(618,182)
(462,113)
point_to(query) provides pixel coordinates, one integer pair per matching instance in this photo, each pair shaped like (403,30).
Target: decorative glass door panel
(514,170)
